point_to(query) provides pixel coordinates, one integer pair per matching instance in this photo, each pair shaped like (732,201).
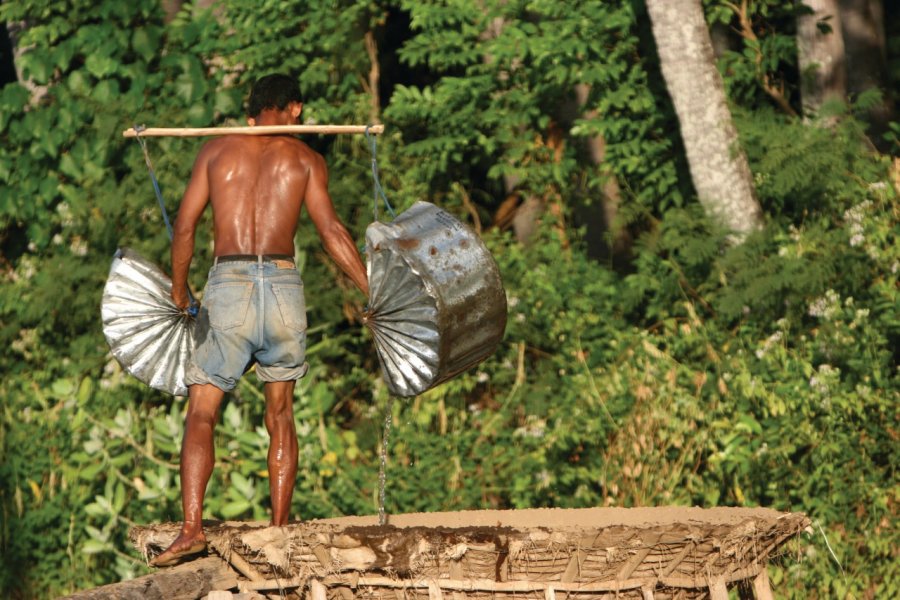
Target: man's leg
(197,459)
(282,447)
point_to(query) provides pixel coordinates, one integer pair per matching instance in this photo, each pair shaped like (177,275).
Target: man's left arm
(335,237)
(194,201)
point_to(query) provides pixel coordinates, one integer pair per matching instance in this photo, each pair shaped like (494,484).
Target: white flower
(771,341)
(65,214)
(534,429)
(856,213)
(823,378)
(825,306)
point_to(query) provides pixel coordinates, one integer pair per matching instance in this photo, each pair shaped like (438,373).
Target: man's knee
(203,404)
(279,404)
(280,410)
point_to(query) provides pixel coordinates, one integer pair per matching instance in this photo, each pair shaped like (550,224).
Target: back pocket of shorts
(227,304)
(291,304)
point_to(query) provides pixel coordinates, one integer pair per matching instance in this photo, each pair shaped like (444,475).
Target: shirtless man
(253,308)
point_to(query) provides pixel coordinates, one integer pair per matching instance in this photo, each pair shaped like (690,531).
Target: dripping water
(382,475)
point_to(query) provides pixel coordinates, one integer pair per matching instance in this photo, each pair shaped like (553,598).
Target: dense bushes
(702,373)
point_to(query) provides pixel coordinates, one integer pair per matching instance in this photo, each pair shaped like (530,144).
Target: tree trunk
(7,66)
(718,166)
(866,51)
(194,579)
(522,211)
(14,33)
(374,78)
(171,8)
(820,52)
(602,218)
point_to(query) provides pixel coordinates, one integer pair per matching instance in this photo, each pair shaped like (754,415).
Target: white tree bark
(823,72)
(718,166)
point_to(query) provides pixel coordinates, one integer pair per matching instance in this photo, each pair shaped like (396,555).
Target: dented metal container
(436,302)
(150,337)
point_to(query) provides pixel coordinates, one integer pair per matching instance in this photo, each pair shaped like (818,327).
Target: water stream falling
(382,475)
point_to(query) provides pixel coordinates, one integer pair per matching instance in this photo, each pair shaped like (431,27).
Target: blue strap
(377,189)
(194,308)
(138,129)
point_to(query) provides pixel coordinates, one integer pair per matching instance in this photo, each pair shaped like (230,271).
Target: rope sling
(194,307)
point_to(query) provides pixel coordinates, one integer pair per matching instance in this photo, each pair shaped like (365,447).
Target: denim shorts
(252,312)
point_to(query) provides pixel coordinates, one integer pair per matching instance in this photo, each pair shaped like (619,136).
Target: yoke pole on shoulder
(255,130)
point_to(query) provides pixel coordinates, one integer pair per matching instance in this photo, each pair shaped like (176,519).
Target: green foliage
(762,68)
(779,358)
(508,86)
(708,374)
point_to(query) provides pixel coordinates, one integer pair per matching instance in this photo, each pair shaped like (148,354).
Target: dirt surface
(560,518)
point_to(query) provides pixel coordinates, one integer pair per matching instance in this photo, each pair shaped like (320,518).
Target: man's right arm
(195,199)
(335,237)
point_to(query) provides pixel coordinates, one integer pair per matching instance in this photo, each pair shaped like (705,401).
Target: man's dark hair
(272,91)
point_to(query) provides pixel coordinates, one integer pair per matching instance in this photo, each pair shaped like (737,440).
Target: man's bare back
(257,186)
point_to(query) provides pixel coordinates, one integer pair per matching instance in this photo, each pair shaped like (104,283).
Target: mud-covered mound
(667,552)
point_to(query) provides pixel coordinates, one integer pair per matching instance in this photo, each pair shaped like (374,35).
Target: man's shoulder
(217,144)
(245,145)
(306,154)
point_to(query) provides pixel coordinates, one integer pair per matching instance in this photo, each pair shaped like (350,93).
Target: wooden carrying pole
(257,130)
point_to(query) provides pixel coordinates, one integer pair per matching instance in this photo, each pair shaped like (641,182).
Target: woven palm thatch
(588,554)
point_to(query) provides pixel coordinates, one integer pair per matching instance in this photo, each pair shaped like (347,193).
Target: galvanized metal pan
(150,337)
(436,301)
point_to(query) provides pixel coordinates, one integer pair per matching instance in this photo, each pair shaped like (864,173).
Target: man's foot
(182,547)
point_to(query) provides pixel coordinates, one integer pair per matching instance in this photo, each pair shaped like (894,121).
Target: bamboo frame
(518,586)
(256,130)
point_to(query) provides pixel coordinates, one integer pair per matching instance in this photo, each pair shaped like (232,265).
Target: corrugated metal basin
(436,301)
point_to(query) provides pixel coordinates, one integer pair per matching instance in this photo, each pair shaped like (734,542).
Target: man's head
(274,92)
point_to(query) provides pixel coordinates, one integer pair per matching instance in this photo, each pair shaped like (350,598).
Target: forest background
(649,358)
